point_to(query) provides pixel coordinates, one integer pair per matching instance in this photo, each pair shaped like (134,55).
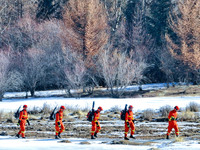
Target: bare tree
(185,23)
(4,63)
(9,80)
(33,69)
(73,70)
(119,70)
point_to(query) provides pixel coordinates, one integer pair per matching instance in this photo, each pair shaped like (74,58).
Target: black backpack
(90,116)
(16,115)
(123,113)
(53,114)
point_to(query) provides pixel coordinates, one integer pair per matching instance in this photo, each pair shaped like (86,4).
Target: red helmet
(25,106)
(62,107)
(100,108)
(130,107)
(176,107)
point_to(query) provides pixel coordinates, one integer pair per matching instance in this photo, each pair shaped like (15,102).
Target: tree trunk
(140,88)
(32,92)
(69,93)
(1,97)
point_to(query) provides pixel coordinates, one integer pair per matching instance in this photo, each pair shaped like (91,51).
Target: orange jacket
(23,115)
(172,114)
(96,116)
(59,116)
(129,116)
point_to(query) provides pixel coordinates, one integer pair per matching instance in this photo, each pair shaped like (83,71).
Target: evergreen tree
(48,9)
(157,20)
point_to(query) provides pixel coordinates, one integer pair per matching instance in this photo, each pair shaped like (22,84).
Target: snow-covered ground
(49,93)
(9,143)
(106,103)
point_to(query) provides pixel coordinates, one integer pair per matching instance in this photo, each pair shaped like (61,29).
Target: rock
(3,133)
(85,142)
(64,141)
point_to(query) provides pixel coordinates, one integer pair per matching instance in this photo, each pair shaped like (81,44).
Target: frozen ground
(9,143)
(146,132)
(106,103)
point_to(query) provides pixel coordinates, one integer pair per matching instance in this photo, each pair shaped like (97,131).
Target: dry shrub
(1,115)
(34,110)
(192,106)
(187,115)
(148,114)
(115,108)
(46,109)
(164,110)
(9,117)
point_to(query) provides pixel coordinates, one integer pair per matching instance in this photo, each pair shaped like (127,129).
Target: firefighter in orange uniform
(59,126)
(23,117)
(172,121)
(129,123)
(95,123)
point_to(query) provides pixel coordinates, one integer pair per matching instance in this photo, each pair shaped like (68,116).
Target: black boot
(125,138)
(176,135)
(92,137)
(167,137)
(59,135)
(131,136)
(17,135)
(56,137)
(95,134)
(23,137)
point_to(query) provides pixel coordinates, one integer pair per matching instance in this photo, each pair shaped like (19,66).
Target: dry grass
(192,90)
(179,139)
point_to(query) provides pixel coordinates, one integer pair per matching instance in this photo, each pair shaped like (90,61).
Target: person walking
(95,123)
(173,122)
(23,118)
(59,126)
(129,123)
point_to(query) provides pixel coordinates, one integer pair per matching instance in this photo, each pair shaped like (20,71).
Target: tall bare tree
(119,70)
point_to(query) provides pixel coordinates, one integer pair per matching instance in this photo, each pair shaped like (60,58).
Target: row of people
(129,122)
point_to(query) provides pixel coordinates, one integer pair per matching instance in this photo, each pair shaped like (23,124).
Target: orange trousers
(95,127)
(132,126)
(59,129)
(22,128)
(173,124)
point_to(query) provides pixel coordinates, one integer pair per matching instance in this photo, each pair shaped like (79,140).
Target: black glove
(133,121)
(28,122)
(127,124)
(18,122)
(59,124)
(97,124)
(172,118)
